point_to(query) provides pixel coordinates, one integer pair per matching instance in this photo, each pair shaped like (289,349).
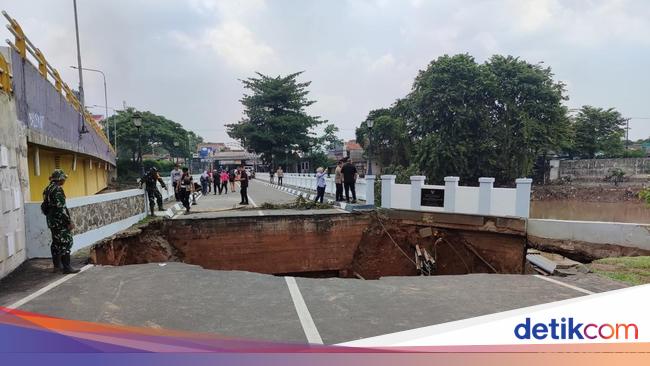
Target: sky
(184,59)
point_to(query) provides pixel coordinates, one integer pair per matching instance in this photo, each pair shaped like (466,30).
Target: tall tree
(527,116)
(170,136)
(598,131)
(491,119)
(391,144)
(275,124)
(329,140)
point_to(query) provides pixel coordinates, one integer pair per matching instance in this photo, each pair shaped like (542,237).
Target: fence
(95,217)
(450,197)
(364,186)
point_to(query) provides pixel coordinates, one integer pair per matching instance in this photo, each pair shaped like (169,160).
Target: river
(634,212)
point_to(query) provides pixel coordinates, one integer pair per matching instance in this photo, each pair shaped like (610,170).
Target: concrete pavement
(258,194)
(257,306)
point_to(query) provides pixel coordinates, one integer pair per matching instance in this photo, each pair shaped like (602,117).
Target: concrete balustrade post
(485,195)
(451,193)
(417,182)
(522,200)
(370,189)
(387,182)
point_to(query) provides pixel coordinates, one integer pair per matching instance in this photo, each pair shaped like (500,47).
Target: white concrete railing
(38,235)
(483,200)
(364,187)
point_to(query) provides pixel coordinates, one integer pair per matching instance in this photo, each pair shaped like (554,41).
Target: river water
(634,212)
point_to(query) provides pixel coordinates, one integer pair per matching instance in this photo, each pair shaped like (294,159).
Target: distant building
(354,151)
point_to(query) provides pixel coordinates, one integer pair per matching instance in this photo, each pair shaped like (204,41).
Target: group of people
(216,180)
(345,177)
(279,173)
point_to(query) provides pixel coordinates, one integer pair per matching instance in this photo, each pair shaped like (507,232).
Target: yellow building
(59,132)
(87,175)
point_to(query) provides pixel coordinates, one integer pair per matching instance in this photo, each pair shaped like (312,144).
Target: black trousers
(339,191)
(320,194)
(350,187)
(185,197)
(216,185)
(223,186)
(154,195)
(244,194)
(279,181)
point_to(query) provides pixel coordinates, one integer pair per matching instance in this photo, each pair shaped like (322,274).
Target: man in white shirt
(176,175)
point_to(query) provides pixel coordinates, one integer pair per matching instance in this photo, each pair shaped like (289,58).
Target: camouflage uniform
(150,180)
(58,219)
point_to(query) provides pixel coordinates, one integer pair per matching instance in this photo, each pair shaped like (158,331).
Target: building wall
(87,177)
(597,169)
(13,182)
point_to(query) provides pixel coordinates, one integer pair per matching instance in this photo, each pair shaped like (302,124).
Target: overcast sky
(183,59)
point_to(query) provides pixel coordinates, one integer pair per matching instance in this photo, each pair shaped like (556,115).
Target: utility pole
(81,78)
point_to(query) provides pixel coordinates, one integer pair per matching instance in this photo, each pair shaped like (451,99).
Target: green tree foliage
(391,144)
(155,129)
(471,120)
(329,140)
(275,124)
(598,131)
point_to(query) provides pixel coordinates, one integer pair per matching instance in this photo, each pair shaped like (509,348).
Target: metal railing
(23,47)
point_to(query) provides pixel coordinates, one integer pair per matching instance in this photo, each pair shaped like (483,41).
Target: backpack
(45,206)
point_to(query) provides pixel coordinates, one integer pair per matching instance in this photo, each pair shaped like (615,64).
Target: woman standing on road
(231,178)
(320,184)
(223,177)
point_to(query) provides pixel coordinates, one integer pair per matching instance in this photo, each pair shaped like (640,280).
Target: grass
(299,204)
(631,270)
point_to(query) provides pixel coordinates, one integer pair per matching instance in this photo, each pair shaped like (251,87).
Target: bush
(644,194)
(129,170)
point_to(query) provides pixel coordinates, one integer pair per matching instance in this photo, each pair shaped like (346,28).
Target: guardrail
(364,186)
(451,197)
(24,46)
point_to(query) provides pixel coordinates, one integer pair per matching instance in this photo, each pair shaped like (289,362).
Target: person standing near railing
(350,176)
(280,174)
(320,184)
(338,180)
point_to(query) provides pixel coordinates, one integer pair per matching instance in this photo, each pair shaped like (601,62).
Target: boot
(56,261)
(67,268)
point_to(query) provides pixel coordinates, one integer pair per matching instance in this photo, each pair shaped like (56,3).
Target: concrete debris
(555,264)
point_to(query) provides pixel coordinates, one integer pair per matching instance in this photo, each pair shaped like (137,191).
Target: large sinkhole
(364,245)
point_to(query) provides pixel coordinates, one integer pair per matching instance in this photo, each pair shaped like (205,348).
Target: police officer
(150,180)
(59,222)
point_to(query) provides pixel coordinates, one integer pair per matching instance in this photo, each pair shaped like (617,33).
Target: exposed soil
(582,251)
(600,193)
(369,246)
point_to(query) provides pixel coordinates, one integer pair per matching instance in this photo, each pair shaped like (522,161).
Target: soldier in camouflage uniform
(150,180)
(59,222)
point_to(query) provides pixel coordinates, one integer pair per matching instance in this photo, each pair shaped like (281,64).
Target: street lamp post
(105,93)
(176,152)
(81,79)
(137,122)
(370,124)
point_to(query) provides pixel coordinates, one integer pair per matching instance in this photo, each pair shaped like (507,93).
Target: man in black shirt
(350,175)
(243,185)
